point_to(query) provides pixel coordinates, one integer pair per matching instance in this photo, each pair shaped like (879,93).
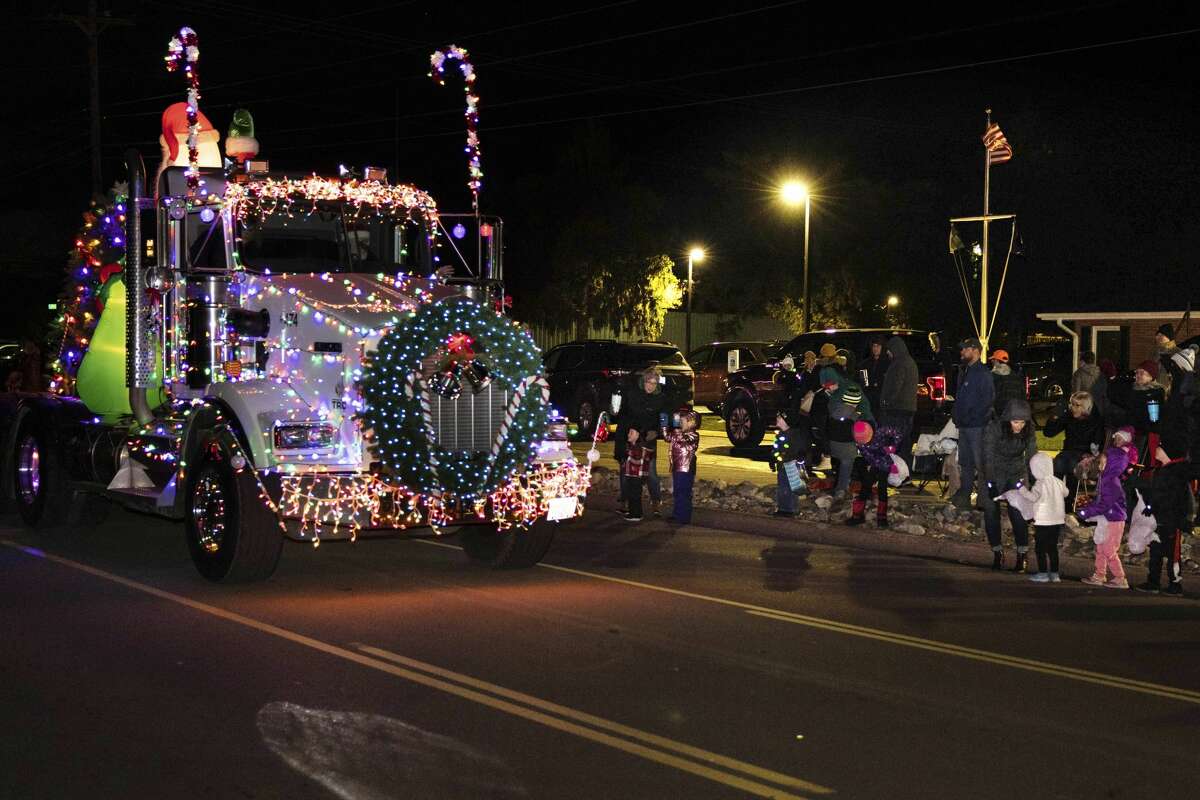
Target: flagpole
(983,277)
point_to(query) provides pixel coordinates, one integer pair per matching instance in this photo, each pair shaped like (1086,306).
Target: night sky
(692,111)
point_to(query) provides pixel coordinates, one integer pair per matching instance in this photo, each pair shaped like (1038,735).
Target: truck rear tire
(743,425)
(41,491)
(232,536)
(515,548)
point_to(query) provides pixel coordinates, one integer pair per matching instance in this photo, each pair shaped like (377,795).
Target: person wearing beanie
(847,405)
(787,462)
(1008,444)
(871,469)
(1007,383)
(1165,336)
(828,352)
(1108,509)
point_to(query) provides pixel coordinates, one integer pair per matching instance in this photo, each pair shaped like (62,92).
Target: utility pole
(92,26)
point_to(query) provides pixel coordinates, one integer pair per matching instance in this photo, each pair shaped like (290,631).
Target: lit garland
(326,502)
(398,427)
(98,253)
(183,51)
(260,199)
(438,60)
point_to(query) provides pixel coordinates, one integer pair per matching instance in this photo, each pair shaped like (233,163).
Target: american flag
(998,148)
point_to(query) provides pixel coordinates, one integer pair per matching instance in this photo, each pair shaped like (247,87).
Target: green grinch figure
(240,143)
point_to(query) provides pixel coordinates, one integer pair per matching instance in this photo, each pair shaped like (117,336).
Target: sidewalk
(918,528)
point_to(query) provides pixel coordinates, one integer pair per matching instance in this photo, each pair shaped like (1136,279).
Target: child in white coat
(1049,500)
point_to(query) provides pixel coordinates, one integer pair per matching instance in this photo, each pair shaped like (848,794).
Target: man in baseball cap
(973,398)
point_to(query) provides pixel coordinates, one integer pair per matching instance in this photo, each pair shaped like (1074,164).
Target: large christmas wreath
(473,345)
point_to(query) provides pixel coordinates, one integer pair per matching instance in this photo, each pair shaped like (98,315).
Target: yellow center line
(600,722)
(439,679)
(931,645)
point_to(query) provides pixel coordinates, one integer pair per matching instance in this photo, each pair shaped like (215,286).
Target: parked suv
(712,364)
(754,394)
(1047,367)
(584,375)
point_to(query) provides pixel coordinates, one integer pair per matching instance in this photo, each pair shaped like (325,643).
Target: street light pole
(807,209)
(792,193)
(694,254)
(687,347)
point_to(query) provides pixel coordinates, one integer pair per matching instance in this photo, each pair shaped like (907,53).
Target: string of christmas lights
(183,51)
(322,503)
(438,61)
(395,420)
(97,254)
(300,197)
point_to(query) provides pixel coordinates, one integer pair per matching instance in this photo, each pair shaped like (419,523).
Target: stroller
(935,460)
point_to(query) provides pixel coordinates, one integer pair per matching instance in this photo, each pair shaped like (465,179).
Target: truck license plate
(561,508)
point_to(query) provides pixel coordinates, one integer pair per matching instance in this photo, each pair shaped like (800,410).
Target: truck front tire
(41,490)
(232,535)
(515,548)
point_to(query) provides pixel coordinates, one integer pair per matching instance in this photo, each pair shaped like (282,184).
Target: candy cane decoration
(183,51)
(427,418)
(438,60)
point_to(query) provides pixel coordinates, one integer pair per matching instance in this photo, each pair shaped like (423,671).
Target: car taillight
(1026,387)
(937,387)
(614,373)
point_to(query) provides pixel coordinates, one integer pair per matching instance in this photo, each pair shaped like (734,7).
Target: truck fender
(209,421)
(52,415)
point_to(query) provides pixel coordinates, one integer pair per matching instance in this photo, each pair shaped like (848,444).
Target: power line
(796,90)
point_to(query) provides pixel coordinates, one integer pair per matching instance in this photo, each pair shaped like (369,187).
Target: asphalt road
(636,662)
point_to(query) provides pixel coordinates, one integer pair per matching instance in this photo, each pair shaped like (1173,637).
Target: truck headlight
(305,436)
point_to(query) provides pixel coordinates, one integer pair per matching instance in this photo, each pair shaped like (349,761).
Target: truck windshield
(328,241)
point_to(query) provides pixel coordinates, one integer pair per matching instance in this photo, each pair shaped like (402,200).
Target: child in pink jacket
(1108,509)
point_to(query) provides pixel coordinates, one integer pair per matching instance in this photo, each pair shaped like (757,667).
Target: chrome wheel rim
(739,424)
(29,472)
(208,512)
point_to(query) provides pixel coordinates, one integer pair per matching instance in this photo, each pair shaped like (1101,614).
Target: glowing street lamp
(793,194)
(696,254)
(893,301)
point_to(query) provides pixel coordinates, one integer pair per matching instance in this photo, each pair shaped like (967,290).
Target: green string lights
(398,427)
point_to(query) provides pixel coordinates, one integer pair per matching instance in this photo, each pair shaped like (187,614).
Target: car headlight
(305,436)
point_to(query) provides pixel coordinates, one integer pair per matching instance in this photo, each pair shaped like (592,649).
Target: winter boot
(858,513)
(1019,565)
(997,559)
(881,513)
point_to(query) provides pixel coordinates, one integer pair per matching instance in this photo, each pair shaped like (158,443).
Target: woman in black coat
(641,410)
(1084,430)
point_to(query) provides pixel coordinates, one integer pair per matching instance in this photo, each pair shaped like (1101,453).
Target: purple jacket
(1110,495)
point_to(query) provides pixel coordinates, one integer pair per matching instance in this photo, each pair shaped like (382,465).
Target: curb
(886,541)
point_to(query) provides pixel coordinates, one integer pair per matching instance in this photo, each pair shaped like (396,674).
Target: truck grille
(470,422)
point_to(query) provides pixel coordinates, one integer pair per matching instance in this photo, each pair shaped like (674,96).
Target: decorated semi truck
(268,357)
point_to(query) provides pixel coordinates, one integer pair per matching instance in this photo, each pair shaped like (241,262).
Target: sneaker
(1174,588)
(852,521)
(1092,580)
(1040,577)
(881,522)
(632,518)
(961,502)
(1054,578)
(1148,588)
(654,507)
(778,513)
(1116,583)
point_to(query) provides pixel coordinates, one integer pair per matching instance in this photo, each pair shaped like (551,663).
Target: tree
(836,303)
